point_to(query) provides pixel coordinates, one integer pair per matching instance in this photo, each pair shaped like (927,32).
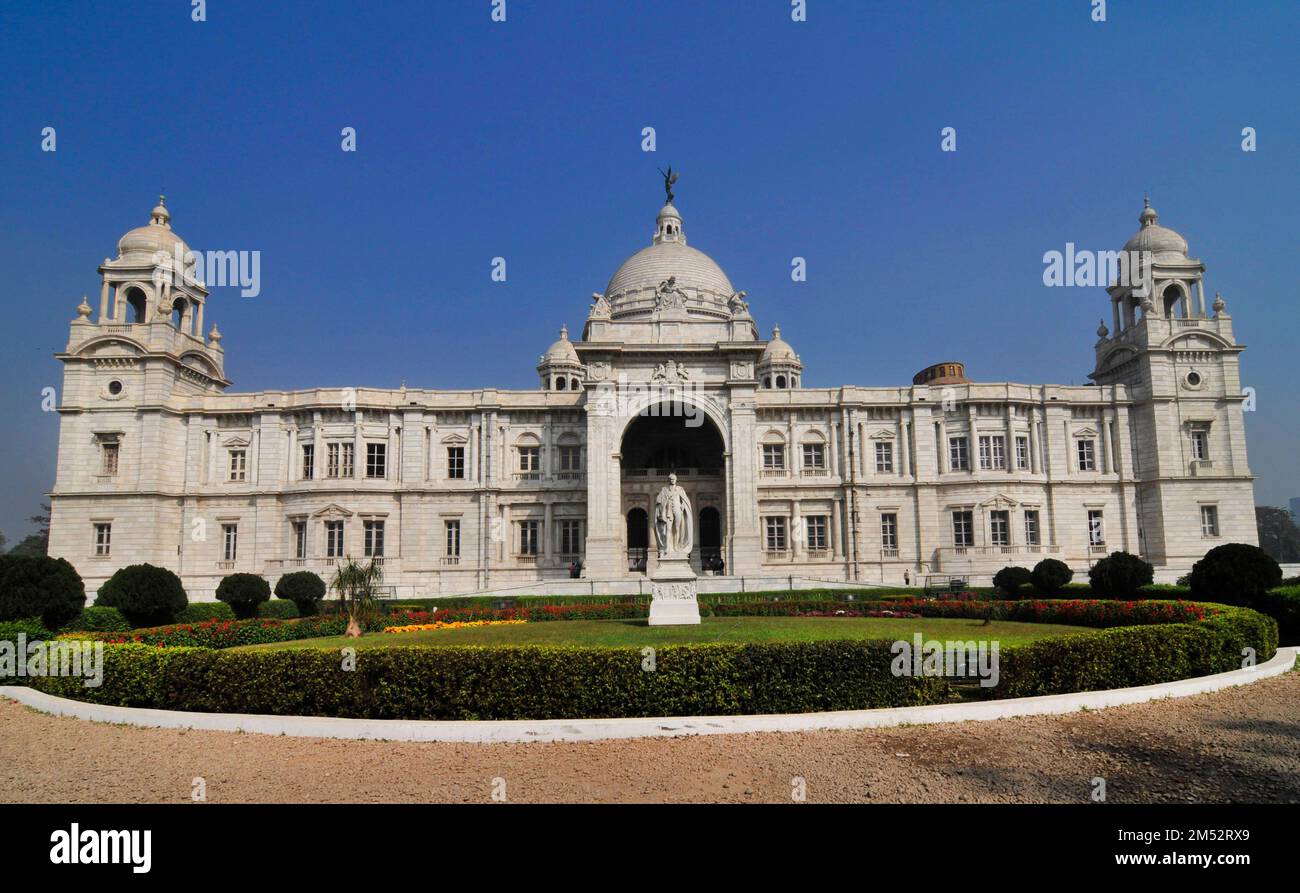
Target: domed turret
(779,367)
(144,242)
(633,286)
(561,368)
(1162,242)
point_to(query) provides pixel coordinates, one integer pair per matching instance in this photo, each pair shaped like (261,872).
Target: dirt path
(1239,745)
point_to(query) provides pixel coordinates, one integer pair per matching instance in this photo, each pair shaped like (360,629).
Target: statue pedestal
(675,602)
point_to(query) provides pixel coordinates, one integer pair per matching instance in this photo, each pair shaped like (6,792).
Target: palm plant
(356,584)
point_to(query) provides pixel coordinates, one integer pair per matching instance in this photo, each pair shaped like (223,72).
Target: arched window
(561,383)
(1173,294)
(138,305)
(767,382)
(573,385)
(178,314)
(780,381)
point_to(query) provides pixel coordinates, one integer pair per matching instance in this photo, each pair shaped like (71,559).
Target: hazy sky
(522,139)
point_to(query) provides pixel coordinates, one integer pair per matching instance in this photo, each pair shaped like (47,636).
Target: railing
(449,560)
(815,472)
(636,560)
(528,475)
(888,553)
(526,560)
(569,476)
(773,472)
(225,565)
(1097,549)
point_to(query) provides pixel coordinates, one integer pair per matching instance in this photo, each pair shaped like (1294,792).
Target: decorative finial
(564,333)
(215,335)
(1102,331)
(669,179)
(776,332)
(162,200)
(1146,199)
(1219,304)
(83,309)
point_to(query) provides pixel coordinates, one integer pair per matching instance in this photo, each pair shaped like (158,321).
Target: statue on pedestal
(673,520)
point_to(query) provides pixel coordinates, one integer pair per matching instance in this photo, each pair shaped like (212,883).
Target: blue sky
(522,140)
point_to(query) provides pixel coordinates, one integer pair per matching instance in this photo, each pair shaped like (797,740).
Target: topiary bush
(1009,580)
(1234,574)
(32,630)
(98,620)
(1283,605)
(40,586)
(1050,576)
(244,593)
(1120,575)
(146,595)
(199,612)
(279,609)
(304,589)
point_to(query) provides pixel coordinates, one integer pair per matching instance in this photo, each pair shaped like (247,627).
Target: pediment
(1086,432)
(238,440)
(332,510)
(884,434)
(455,438)
(1001,501)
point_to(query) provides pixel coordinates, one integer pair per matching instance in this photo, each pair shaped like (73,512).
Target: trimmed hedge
(279,608)
(1283,605)
(1236,573)
(9,630)
(1131,656)
(199,612)
(93,619)
(304,589)
(40,586)
(144,593)
(1120,573)
(1050,576)
(244,593)
(532,682)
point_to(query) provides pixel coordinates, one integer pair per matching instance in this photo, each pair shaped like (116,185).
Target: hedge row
(1132,656)
(532,682)
(1283,605)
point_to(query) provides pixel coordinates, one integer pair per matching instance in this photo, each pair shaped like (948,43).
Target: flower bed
(455,624)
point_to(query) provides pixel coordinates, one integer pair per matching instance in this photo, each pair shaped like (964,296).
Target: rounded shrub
(147,595)
(278,609)
(1120,575)
(304,589)
(1009,580)
(1050,576)
(40,586)
(243,592)
(1234,574)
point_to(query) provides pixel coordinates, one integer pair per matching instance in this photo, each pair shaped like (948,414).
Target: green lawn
(713,629)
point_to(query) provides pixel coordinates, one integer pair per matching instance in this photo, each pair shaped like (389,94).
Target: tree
(304,589)
(1120,575)
(3,539)
(1234,574)
(37,543)
(1050,576)
(1278,535)
(145,594)
(40,586)
(355,584)
(243,592)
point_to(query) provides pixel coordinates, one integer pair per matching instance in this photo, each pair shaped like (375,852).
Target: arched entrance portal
(665,440)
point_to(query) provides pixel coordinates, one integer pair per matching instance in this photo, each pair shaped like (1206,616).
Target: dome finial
(160,216)
(564,332)
(669,179)
(1149,215)
(776,332)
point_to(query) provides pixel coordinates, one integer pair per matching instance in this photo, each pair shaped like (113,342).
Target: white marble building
(475,490)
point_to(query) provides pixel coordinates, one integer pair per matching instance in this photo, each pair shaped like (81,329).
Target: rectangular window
(1087,454)
(570,459)
(376,460)
(775,534)
(452,529)
(1209,520)
(958,454)
(1022,453)
(963,529)
(530,461)
(308,461)
(1031,528)
(238,465)
(999,528)
(815,527)
(332,451)
(374,539)
(349,460)
(889,531)
(300,539)
(1096,528)
(884,458)
(570,537)
(814,455)
(456,463)
(773,456)
(108,464)
(1200,444)
(103,540)
(333,539)
(993,452)
(529,537)
(229,541)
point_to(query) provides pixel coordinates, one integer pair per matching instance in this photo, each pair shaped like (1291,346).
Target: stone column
(745,541)
(103,301)
(796,532)
(548,532)
(837,542)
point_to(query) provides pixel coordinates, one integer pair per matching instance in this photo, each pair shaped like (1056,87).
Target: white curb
(503,731)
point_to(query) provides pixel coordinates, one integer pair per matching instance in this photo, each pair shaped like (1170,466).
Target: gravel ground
(1239,745)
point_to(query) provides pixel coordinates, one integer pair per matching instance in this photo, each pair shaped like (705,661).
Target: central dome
(669,256)
(1164,243)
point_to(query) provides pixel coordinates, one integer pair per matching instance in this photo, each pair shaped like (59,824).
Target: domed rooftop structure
(777,350)
(668,256)
(1164,243)
(562,351)
(144,242)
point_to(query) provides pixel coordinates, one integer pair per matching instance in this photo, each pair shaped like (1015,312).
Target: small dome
(562,351)
(669,256)
(155,237)
(778,351)
(1153,237)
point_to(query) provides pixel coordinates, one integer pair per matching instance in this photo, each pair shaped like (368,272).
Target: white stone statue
(673,519)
